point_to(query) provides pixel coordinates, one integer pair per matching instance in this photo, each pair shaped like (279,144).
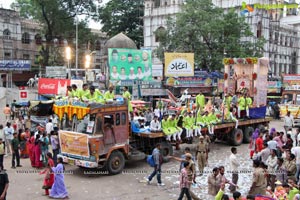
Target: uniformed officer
(202,154)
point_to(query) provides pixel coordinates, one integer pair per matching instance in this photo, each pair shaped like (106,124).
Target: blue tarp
(257,113)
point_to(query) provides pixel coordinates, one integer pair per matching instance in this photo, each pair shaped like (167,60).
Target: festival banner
(179,64)
(53,86)
(294,109)
(74,143)
(130,64)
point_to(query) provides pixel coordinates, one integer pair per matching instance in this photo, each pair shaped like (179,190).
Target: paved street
(26,183)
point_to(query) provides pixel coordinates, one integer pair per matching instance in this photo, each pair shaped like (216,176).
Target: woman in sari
(37,153)
(252,145)
(58,190)
(30,147)
(49,176)
(25,136)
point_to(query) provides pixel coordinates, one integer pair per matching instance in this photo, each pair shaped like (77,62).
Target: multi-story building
(280,28)
(19,38)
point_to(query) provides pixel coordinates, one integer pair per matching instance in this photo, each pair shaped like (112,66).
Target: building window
(156,3)
(118,122)
(7,55)
(97,66)
(276,37)
(25,38)
(158,33)
(98,45)
(26,56)
(38,39)
(258,32)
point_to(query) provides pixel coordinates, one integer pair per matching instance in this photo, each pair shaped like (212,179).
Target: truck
(99,136)
(291,102)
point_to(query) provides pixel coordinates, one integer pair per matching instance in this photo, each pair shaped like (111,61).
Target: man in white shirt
(157,112)
(49,127)
(296,152)
(272,144)
(155,125)
(265,153)
(271,163)
(288,121)
(234,164)
(8,132)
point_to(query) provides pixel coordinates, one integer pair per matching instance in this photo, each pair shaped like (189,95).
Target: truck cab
(100,139)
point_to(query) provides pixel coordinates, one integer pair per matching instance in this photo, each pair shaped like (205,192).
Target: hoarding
(56,71)
(53,86)
(189,82)
(130,64)
(74,143)
(15,65)
(179,64)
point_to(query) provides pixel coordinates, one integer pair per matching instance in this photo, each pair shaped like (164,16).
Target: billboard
(53,86)
(74,143)
(179,64)
(189,82)
(291,81)
(56,72)
(130,64)
(15,65)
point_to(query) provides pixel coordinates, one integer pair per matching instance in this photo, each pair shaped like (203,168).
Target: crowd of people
(40,145)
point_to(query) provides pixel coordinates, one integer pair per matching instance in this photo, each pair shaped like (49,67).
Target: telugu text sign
(74,143)
(179,64)
(15,65)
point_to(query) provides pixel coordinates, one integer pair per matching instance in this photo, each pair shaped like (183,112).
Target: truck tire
(166,150)
(115,163)
(236,138)
(248,134)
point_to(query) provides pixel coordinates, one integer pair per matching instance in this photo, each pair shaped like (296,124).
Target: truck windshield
(86,125)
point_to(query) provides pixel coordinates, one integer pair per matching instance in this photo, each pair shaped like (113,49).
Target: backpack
(150,160)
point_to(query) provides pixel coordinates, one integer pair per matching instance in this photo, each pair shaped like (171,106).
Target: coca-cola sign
(53,86)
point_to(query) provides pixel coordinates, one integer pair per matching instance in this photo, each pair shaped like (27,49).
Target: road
(26,184)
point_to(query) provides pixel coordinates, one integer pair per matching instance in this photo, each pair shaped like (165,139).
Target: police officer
(202,154)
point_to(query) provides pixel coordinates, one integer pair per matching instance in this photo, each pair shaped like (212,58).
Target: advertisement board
(56,72)
(274,86)
(130,64)
(291,81)
(15,65)
(53,86)
(74,143)
(179,64)
(189,82)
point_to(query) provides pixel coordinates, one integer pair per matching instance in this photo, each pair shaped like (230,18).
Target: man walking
(202,154)
(15,146)
(288,121)
(158,159)
(8,132)
(234,164)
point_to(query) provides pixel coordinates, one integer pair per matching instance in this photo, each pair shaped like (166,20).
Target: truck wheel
(248,134)
(236,137)
(115,163)
(166,150)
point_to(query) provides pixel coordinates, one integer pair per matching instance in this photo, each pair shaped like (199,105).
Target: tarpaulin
(257,113)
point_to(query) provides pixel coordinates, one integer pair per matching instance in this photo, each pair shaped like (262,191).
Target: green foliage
(123,16)
(57,18)
(208,32)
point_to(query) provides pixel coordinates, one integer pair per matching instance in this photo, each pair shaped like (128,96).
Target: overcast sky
(92,24)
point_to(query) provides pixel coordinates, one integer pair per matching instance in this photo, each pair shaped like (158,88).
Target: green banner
(130,64)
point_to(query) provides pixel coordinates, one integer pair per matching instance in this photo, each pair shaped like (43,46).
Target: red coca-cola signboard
(53,86)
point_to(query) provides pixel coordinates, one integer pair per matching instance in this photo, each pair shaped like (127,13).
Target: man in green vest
(200,101)
(127,95)
(109,95)
(166,127)
(242,106)
(84,92)
(248,104)
(75,91)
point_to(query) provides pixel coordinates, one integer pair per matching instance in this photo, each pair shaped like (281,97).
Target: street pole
(76,53)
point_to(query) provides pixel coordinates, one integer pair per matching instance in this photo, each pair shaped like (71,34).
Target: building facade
(19,38)
(280,27)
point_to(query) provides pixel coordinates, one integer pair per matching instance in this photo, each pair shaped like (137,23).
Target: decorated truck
(99,136)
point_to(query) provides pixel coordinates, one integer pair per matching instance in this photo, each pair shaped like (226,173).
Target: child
(49,177)
(2,153)
(184,182)
(15,146)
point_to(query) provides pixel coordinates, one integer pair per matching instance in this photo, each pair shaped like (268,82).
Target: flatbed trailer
(224,132)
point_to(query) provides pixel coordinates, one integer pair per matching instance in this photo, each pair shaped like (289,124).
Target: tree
(208,32)
(123,16)
(58,23)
